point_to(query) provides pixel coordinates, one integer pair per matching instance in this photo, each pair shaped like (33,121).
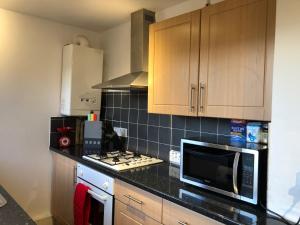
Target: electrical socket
(174,157)
(121,132)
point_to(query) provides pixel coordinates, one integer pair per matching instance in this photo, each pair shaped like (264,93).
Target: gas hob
(119,161)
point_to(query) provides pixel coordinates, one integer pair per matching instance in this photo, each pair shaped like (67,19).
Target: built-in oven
(101,193)
(237,170)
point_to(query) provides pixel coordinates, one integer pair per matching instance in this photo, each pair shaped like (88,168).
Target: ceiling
(96,15)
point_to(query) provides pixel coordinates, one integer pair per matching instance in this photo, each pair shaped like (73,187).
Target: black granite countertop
(156,179)
(12,213)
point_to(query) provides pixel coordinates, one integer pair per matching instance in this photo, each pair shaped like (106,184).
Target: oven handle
(100,198)
(235,172)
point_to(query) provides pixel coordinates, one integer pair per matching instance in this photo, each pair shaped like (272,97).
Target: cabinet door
(127,215)
(63,186)
(173,65)
(236,59)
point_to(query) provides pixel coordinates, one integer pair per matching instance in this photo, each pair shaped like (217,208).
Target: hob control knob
(105,186)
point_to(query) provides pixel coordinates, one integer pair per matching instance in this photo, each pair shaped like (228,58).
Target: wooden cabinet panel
(146,203)
(173,65)
(127,215)
(63,187)
(175,214)
(234,57)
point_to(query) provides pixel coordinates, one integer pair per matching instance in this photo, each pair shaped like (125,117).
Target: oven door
(101,205)
(211,168)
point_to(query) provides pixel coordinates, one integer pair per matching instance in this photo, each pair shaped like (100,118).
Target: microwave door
(210,168)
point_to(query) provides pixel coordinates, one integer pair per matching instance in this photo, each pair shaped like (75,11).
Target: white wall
(30,73)
(116,45)
(284,158)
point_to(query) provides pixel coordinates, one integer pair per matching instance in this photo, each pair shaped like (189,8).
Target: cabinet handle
(202,89)
(182,223)
(193,89)
(75,176)
(134,199)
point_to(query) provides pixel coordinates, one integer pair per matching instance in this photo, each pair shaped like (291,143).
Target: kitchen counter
(12,213)
(156,179)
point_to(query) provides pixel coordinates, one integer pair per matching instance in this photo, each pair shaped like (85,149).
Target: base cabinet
(127,215)
(63,187)
(150,206)
(175,214)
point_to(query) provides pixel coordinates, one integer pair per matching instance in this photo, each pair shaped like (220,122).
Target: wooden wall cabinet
(232,77)
(236,59)
(63,187)
(173,65)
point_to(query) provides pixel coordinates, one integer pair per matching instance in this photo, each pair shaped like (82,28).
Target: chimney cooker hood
(138,77)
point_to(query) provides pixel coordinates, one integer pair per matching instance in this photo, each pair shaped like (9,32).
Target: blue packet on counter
(238,130)
(254,132)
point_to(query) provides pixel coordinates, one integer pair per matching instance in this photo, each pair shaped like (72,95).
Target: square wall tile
(117,114)
(132,130)
(165,120)
(178,122)
(109,100)
(132,144)
(142,146)
(224,127)
(153,133)
(164,152)
(143,117)
(125,100)
(209,125)
(134,101)
(164,135)
(117,99)
(143,101)
(142,132)
(133,115)
(192,134)
(124,115)
(177,135)
(153,119)
(153,149)
(193,123)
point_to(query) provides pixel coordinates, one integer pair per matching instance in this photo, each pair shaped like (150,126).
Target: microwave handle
(235,172)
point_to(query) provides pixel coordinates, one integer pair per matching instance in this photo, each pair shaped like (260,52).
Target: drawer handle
(182,223)
(134,199)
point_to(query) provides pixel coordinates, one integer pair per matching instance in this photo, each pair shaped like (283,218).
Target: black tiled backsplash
(154,134)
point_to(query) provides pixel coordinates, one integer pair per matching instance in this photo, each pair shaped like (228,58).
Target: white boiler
(82,68)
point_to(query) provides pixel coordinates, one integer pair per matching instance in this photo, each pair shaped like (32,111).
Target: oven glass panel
(209,166)
(97,213)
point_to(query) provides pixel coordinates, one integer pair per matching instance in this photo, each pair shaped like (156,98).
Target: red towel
(82,205)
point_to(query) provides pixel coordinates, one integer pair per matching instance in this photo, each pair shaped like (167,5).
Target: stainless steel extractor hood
(138,77)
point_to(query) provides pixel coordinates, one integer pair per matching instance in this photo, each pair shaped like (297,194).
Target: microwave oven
(237,170)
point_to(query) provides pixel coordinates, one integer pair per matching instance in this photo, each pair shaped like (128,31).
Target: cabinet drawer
(145,202)
(127,215)
(174,214)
